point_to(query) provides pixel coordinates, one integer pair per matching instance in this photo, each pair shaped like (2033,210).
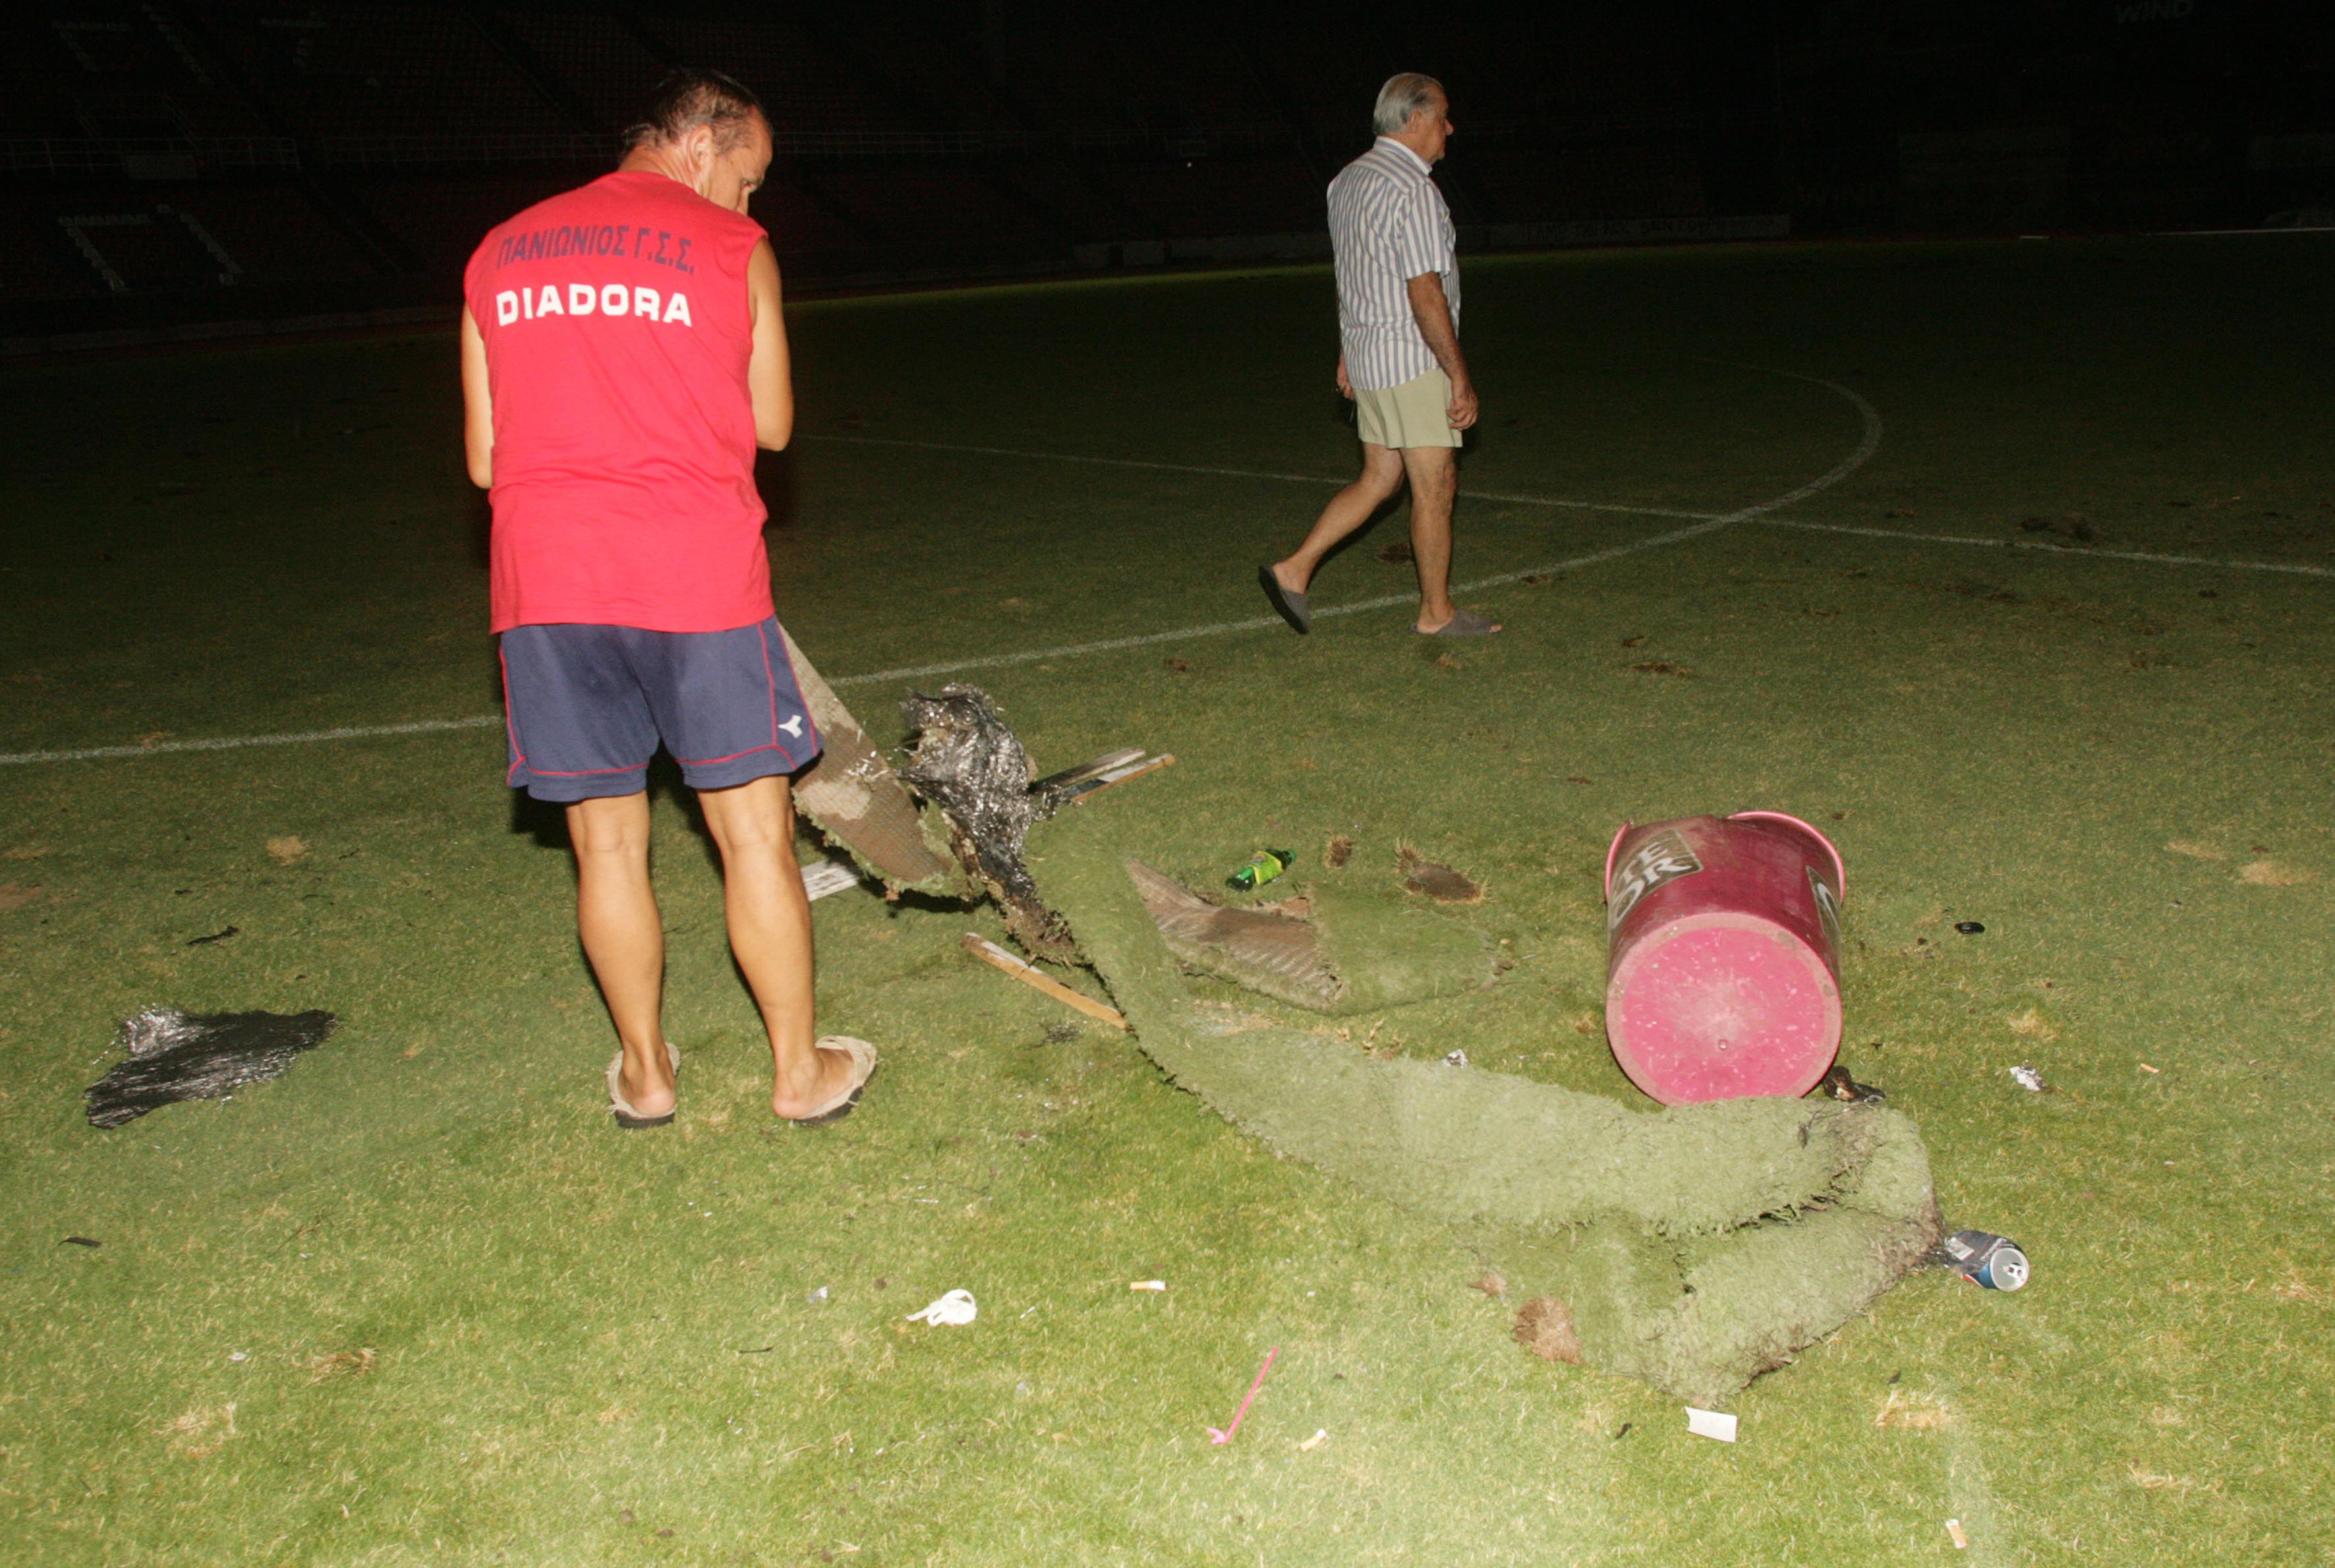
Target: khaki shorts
(1414,414)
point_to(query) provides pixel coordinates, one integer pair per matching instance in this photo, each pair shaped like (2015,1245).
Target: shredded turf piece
(1276,954)
(854,798)
(1693,1248)
(1327,950)
(174,1056)
(965,759)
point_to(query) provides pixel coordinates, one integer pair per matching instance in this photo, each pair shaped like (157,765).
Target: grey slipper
(1462,624)
(1291,606)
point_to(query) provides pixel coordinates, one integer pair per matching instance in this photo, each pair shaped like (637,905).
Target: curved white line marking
(1701,523)
(1042,457)
(1868,442)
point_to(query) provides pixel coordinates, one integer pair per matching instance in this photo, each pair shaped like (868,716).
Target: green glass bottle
(1268,865)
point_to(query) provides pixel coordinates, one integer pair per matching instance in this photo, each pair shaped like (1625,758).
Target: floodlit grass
(417,1302)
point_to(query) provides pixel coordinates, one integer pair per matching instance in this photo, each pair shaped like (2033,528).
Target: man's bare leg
(1434,478)
(1349,509)
(624,938)
(770,932)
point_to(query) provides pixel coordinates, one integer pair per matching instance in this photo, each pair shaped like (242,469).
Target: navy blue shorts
(587,705)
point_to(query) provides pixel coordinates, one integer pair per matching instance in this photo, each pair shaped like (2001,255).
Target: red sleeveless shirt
(617,337)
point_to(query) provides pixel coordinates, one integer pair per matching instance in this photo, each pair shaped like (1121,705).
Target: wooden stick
(989,953)
(1120,776)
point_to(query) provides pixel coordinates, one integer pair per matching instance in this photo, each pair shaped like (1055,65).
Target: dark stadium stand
(601,59)
(175,161)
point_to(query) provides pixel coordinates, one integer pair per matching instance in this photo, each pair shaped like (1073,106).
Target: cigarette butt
(2146,1067)
(1954,1532)
(1148,1285)
(1314,1442)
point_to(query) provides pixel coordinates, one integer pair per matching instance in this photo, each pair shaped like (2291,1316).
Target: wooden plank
(989,953)
(1120,776)
(1085,770)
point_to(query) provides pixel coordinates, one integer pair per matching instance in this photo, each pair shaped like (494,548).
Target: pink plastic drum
(1723,955)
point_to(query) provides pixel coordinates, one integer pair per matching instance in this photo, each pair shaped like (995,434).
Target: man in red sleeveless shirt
(623,357)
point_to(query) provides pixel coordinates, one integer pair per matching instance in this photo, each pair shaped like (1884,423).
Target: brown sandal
(626,1117)
(863,1068)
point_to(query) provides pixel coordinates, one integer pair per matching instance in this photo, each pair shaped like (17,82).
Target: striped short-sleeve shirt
(1388,225)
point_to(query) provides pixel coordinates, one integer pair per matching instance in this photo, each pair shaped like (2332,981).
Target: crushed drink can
(1267,864)
(1985,1259)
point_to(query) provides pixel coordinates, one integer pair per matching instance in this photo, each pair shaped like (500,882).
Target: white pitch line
(1868,442)
(2292,568)
(238,743)
(1261,622)
(1247,473)
(1700,523)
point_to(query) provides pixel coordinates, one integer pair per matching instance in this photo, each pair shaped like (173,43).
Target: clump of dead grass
(1433,879)
(201,1430)
(2033,1025)
(341,1364)
(1906,1412)
(2274,873)
(1545,1327)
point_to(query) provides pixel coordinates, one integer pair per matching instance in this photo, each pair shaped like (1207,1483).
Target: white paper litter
(822,877)
(2027,1078)
(955,1309)
(1716,1424)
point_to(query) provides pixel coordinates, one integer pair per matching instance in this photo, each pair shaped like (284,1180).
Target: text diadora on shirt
(618,336)
(583,299)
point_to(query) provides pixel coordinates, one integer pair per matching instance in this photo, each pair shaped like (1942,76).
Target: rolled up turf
(1693,1248)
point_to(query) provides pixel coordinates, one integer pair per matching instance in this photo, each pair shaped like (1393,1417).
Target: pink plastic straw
(1226,1436)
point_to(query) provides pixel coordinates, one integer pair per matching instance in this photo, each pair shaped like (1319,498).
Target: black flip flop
(1291,606)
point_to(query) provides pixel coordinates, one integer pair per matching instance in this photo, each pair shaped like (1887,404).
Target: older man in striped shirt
(1399,360)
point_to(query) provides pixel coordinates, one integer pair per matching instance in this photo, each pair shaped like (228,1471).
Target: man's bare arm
(478,405)
(1433,314)
(769,377)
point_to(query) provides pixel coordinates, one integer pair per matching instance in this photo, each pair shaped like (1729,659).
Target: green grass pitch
(417,1302)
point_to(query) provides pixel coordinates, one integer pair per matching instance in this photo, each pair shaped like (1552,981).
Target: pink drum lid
(1722,1005)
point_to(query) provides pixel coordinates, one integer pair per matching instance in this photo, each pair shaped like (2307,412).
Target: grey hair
(687,99)
(1405,95)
